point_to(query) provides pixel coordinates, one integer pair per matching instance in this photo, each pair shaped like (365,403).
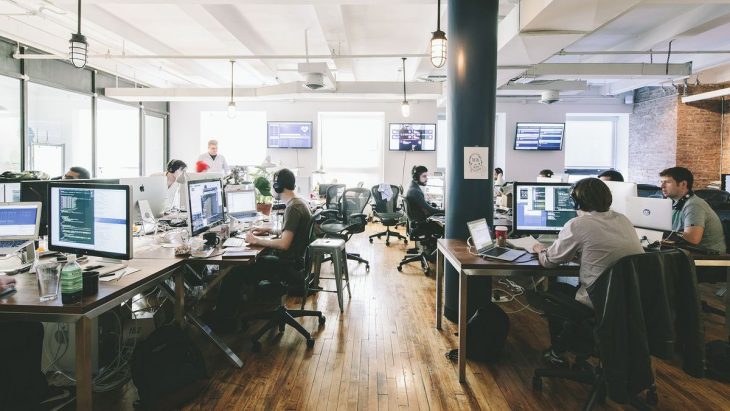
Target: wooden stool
(336,248)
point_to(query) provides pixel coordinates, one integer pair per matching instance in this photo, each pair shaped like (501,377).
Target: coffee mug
(211,239)
(501,233)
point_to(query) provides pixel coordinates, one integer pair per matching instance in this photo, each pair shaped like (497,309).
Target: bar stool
(334,247)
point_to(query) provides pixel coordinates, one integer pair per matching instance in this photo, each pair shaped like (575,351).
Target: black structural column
(472,77)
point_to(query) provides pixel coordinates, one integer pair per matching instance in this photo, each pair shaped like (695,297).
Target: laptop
(19,225)
(482,237)
(650,213)
(241,205)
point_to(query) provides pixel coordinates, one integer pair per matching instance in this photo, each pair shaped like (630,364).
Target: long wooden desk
(155,265)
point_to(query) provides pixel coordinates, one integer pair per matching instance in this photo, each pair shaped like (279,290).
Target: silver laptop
(241,205)
(482,237)
(651,213)
(19,224)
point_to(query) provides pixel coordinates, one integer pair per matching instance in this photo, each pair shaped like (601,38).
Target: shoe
(554,360)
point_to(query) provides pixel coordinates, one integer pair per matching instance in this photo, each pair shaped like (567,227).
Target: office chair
(388,214)
(349,220)
(333,196)
(275,284)
(415,232)
(717,199)
(649,190)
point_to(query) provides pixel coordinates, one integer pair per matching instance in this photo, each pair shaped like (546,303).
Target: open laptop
(19,225)
(650,213)
(241,205)
(479,231)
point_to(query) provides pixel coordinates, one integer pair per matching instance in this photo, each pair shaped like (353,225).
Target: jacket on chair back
(646,305)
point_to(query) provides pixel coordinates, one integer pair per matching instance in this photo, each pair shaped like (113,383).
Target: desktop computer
(152,189)
(90,219)
(541,208)
(205,205)
(183,192)
(620,194)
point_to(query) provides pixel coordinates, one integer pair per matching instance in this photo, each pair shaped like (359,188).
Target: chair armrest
(358,219)
(329,214)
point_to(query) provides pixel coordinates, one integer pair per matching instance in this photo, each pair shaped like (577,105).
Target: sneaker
(554,360)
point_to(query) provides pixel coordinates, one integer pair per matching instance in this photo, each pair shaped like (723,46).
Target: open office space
(364,204)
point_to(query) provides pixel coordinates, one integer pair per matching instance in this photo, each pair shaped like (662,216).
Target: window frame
(613,119)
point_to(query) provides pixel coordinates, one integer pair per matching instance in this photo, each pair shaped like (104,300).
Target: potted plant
(262,184)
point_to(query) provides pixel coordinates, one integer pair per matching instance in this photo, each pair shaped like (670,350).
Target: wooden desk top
(457,250)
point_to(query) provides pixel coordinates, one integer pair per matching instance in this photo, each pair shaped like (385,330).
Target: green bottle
(72,285)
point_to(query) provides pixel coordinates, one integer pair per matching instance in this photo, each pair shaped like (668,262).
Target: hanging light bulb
(438,42)
(405,108)
(78,47)
(232,104)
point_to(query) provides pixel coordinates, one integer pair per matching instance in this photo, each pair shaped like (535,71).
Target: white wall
(185,131)
(518,165)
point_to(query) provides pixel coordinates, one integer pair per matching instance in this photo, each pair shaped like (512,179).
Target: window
(59,130)
(9,124)
(351,147)
(154,144)
(242,140)
(117,140)
(590,142)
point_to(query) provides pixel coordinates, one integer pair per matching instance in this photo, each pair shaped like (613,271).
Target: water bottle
(72,285)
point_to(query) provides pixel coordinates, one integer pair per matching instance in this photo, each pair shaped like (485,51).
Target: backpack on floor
(717,354)
(486,334)
(167,369)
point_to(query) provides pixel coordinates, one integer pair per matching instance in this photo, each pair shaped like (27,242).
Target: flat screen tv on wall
(412,137)
(539,136)
(289,134)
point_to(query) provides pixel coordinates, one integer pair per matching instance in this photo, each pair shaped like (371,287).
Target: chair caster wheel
(400,268)
(255,346)
(537,383)
(387,243)
(371,241)
(322,319)
(310,342)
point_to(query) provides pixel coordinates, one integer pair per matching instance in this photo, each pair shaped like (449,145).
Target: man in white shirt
(599,237)
(215,161)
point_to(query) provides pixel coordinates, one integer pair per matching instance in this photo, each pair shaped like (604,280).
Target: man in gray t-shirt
(692,216)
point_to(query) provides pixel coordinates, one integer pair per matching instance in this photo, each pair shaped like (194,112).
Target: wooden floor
(383,352)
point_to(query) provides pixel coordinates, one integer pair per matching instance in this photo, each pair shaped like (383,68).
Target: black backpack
(717,354)
(486,334)
(167,369)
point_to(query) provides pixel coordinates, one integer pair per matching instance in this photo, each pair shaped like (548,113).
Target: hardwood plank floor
(383,353)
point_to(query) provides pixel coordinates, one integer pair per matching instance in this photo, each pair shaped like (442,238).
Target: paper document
(524,243)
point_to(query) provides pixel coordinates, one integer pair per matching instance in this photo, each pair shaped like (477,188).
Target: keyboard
(234,242)
(12,243)
(495,252)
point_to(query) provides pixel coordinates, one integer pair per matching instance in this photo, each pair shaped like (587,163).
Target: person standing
(215,161)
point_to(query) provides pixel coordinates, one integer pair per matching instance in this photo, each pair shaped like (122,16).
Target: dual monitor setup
(544,208)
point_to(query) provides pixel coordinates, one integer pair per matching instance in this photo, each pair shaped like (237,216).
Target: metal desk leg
(180,298)
(462,325)
(83,364)
(439,287)
(216,340)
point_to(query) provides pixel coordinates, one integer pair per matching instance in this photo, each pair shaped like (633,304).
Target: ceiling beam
(538,85)
(610,70)
(332,23)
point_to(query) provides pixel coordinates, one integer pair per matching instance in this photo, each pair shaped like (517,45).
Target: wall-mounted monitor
(412,137)
(539,136)
(289,134)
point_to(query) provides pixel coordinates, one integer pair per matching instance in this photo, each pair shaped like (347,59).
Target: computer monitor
(241,204)
(650,213)
(19,221)
(725,182)
(90,219)
(205,205)
(153,189)
(620,193)
(10,192)
(541,208)
(194,177)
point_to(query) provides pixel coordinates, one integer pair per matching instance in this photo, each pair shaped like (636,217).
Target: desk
(722,260)
(469,265)
(155,265)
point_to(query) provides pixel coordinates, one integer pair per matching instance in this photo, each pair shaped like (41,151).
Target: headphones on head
(279,186)
(574,197)
(416,172)
(680,203)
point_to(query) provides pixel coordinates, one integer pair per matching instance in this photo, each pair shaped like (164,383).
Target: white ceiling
(528,35)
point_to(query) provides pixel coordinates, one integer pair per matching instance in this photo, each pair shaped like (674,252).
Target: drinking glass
(48,278)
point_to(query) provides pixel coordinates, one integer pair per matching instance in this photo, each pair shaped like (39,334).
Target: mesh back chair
(334,195)
(349,220)
(388,214)
(274,280)
(415,233)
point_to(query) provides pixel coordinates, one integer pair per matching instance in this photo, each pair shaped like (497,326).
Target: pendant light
(405,108)
(438,42)
(232,104)
(78,47)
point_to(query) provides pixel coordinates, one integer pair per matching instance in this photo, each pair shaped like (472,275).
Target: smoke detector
(549,96)
(316,76)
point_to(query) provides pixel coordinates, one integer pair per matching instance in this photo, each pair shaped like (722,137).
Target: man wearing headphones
(289,248)
(600,237)
(418,206)
(692,216)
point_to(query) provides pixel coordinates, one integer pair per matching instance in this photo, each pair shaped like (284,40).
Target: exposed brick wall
(652,133)
(726,138)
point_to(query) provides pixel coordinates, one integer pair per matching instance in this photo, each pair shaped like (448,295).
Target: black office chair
(348,220)
(649,190)
(276,284)
(388,214)
(717,199)
(334,195)
(416,234)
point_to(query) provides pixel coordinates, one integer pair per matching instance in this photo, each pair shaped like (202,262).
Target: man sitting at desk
(420,208)
(691,216)
(289,248)
(600,237)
